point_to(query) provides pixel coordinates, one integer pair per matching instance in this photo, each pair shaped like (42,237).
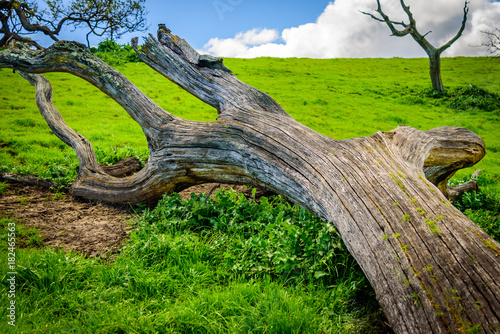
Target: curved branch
(459,33)
(203,76)
(390,23)
(11,36)
(75,58)
(93,178)
(382,20)
(82,147)
(406,8)
(36,27)
(443,151)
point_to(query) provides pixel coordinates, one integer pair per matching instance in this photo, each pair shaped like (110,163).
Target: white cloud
(241,43)
(342,31)
(257,36)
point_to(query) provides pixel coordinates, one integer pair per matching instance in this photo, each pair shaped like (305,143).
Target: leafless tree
(109,18)
(492,41)
(410,28)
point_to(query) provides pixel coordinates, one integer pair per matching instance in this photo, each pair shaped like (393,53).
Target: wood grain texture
(433,270)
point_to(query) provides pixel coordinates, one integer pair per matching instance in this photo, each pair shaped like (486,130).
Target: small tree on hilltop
(411,29)
(109,18)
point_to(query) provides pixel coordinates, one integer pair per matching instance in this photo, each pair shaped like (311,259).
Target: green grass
(200,266)
(229,265)
(340,98)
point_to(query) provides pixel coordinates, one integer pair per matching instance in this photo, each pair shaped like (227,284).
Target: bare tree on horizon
(410,28)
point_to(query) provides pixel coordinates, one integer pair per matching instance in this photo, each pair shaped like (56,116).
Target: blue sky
(198,21)
(317,29)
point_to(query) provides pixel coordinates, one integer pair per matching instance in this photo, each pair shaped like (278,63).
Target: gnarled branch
(460,31)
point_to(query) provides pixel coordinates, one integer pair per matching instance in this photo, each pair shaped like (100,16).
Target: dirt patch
(65,222)
(92,228)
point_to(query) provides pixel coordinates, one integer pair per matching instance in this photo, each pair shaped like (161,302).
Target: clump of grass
(462,98)
(472,97)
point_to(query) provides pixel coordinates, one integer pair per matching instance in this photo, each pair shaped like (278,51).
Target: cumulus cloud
(342,31)
(241,43)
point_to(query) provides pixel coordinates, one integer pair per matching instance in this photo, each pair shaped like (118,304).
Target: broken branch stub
(433,270)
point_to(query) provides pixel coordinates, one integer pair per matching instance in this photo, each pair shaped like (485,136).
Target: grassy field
(228,264)
(340,98)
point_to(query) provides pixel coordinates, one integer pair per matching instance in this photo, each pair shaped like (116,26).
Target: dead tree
(433,269)
(411,29)
(492,41)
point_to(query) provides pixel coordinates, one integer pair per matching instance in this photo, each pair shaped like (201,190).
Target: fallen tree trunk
(433,270)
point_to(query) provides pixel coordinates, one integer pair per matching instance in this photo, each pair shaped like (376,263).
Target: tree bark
(433,269)
(122,168)
(435,71)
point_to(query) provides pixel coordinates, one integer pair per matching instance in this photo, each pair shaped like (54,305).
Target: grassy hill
(340,98)
(230,265)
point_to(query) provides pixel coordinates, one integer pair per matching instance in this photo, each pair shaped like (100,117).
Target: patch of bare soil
(92,228)
(89,227)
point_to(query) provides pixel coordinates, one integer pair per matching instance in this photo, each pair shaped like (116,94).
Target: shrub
(463,98)
(473,97)
(108,46)
(115,54)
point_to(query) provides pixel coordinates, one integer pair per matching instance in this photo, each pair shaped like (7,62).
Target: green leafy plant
(115,54)
(481,207)
(472,97)
(272,237)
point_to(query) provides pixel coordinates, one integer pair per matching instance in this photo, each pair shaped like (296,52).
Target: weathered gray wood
(433,270)
(122,168)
